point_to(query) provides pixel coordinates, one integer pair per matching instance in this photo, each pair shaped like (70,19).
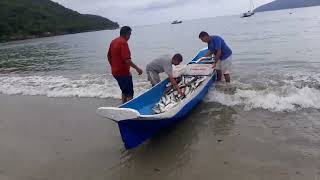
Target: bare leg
(219,74)
(124,99)
(227,78)
(129,98)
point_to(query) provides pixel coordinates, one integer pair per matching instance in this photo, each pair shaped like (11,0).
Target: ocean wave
(97,86)
(287,91)
(285,98)
(291,93)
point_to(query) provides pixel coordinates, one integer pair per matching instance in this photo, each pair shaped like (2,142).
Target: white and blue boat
(136,119)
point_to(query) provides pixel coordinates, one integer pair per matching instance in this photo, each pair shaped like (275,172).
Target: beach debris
(171,98)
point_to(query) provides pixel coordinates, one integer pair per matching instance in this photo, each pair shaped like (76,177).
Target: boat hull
(247,14)
(136,131)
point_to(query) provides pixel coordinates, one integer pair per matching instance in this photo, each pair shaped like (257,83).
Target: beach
(63,138)
(268,127)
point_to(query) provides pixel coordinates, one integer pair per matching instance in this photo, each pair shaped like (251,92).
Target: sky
(143,12)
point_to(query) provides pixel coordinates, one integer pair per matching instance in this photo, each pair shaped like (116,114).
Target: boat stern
(135,132)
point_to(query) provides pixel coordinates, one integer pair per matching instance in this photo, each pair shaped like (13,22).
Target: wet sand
(63,139)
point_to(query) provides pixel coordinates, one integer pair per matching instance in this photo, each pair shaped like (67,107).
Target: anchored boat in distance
(250,12)
(176,22)
(247,14)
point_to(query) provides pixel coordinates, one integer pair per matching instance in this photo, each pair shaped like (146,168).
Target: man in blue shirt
(222,54)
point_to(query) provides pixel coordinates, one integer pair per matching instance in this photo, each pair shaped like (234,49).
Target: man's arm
(131,64)
(218,44)
(169,71)
(109,56)
(207,55)
(175,84)
(217,57)
(126,55)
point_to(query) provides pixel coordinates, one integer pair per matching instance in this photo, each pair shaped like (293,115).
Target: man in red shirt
(119,57)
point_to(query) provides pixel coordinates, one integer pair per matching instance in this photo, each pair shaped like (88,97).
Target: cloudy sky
(141,12)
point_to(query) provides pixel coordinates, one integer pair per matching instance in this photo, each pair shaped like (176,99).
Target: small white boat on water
(176,22)
(250,12)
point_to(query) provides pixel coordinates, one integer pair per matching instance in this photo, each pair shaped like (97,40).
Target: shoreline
(63,138)
(30,37)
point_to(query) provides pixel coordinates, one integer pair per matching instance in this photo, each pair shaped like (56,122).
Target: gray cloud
(157,5)
(139,12)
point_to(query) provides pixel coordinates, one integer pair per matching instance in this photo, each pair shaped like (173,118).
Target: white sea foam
(274,97)
(286,98)
(283,92)
(58,86)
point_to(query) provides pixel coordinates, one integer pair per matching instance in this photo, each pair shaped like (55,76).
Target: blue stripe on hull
(135,132)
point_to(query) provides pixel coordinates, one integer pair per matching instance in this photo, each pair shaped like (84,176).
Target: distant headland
(26,19)
(287,4)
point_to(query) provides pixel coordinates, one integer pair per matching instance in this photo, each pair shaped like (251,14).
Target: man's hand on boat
(175,85)
(182,95)
(214,65)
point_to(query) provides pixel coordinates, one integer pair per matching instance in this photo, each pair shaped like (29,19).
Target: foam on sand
(88,85)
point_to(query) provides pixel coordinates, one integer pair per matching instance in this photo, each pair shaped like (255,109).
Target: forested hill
(23,19)
(287,4)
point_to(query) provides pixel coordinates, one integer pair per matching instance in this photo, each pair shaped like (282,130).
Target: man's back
(218,43)
(161,64)
(118,54)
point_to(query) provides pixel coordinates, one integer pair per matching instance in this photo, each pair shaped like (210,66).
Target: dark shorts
(126,85)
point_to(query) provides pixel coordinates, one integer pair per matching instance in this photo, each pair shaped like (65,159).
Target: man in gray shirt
(163,64)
